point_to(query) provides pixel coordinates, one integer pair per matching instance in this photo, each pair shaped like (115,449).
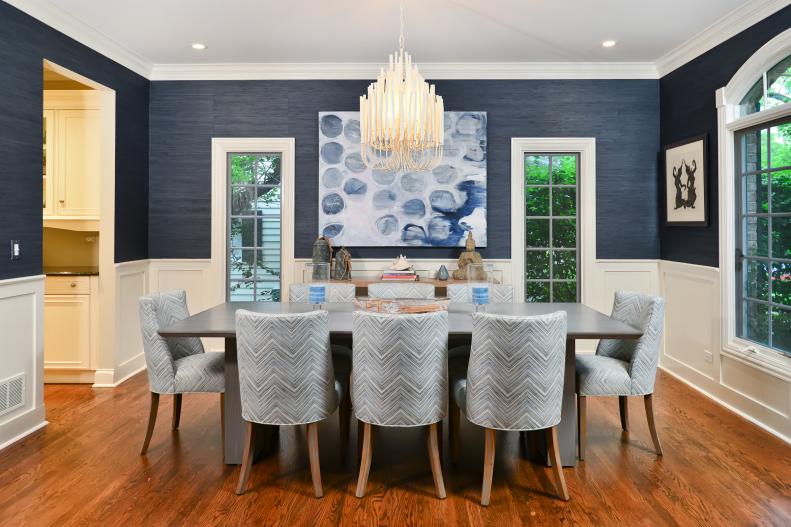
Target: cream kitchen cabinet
(69,328)
(72,152)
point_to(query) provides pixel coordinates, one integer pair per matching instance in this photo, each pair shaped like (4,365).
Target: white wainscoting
(22,327)
(693,331)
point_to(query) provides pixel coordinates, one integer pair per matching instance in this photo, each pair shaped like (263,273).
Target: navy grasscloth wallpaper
(24,43)
(623,116)
(688,109)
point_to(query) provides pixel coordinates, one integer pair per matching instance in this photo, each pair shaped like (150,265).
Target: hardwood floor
(85,468)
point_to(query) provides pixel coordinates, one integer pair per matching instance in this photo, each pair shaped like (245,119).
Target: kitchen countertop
(71,271)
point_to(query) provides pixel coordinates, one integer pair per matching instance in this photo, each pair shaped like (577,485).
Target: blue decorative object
(317,294)
(434,208)
(480,295)
(442,273)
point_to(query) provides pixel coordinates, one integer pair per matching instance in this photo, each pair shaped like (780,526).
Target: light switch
(16,250)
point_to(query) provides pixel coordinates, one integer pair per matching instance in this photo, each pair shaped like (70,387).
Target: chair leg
(247,461)
(649,413)
(313,454)
(365,461)
(557,467)
(435,460)
(176,410)
(222,420)
(623,406)
(488,465)
(152,419)
(582,425)
(453,431)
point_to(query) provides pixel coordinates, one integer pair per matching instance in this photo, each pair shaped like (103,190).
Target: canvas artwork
(359,207)
(685,182)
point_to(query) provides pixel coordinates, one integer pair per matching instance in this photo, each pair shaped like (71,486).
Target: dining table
(583,322)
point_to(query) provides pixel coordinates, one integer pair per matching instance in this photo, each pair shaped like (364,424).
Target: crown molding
(60,20)
(430,70)
(723,29)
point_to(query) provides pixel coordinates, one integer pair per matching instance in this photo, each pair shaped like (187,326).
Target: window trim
(585,147)
(729,123)
(221,147)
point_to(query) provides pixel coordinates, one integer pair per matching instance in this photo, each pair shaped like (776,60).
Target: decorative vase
(442,273)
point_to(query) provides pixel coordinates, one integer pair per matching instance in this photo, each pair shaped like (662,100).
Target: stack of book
(407,275)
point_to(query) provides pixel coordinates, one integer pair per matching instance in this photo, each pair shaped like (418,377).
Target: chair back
(389,291)
(400,372)
(498,293)
(157,311)
(335,293)
(515,375)
(285,367)
(647,313)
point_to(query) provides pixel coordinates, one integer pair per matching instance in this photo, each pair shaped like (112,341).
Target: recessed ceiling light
(608,43)
(198,46)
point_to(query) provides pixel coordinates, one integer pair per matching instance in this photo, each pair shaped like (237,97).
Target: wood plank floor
(84,469)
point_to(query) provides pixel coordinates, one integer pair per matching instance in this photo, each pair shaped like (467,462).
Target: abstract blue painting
(360,207)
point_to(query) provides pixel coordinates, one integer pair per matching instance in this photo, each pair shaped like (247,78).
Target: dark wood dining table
(582,323)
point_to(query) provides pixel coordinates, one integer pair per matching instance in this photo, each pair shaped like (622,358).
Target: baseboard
(22,426)
(728,406)
(109,378)
(69,376)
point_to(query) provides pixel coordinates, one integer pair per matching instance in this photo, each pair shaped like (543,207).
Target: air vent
(12,393)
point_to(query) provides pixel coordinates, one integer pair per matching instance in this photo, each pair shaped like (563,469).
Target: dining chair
(623,367)
(389,291)
(400,379)
(175,365)
(498,293)
(514,382)
(335,293)
(287,376)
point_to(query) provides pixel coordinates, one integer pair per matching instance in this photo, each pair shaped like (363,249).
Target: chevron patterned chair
(624,367)
(413,290)
(335,293)
(288,376)
(400,378)
(175,365)
(514,382)
(499,293)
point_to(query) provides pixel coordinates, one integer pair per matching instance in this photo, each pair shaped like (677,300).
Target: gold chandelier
(402,123)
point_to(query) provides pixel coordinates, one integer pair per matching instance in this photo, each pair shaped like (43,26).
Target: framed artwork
(360,207)
(686,176)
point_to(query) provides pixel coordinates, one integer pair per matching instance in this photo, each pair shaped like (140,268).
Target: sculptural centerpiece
(469,256)
(342,269)
(400,264)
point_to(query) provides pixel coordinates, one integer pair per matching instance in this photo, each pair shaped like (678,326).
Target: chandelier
(402,123)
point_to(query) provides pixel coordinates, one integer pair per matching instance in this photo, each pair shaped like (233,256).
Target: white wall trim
(751,71)
(431,70)
(586,147)
(723,29)
(27,423)
(221,147)
(59,19)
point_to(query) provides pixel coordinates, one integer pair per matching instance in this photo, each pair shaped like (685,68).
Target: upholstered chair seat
(387,290)
(298,293)
(624,367)
(175,365)
(400,378)
(514,381)
(287,377)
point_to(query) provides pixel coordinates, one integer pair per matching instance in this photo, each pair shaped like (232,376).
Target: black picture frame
(679,198)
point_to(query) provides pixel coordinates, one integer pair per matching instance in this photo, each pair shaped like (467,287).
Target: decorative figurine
(343,265)
(470,255)
(442,273)
(322,251)
(400,264)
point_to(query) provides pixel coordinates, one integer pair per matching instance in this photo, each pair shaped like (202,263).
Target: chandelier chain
(401,18)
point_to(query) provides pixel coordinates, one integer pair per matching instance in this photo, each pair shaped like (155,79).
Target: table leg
(567,429)
(235,426)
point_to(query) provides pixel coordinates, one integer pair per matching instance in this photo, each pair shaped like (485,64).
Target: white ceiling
(311,31)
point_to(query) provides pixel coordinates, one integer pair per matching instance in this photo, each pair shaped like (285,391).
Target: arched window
(771,90)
